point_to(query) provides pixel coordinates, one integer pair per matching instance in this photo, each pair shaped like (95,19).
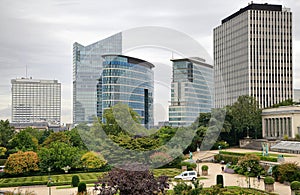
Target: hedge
(295,185)
(232,153)
(269,180)
(227,158)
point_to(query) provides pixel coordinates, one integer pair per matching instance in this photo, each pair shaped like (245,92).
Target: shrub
(2,161)
(182,188)
(288,172)
(190,166)
(204,168)
(250,161)
(81,187)
(227,158)
(75,180)
(220,181)
(295,185)
(269,180)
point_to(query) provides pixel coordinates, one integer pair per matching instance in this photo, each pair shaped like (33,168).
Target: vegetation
(75,180)
(288,172)
(22,163)
(92,160)
(133,179)
(269,180)
(204,168)
(249,161)
(295,185)
(7,132)
(81,187)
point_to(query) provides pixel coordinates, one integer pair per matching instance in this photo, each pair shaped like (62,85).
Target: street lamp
(198,161)
(249,169)
(49,180)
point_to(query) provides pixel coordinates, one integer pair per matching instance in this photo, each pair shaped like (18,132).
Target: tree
(2,151)
(135,179)
(6,132)
(56,137)
(22,163)
(122,119)
(58,155)
(246,117)
(24,141)
(250,161)
(75,139)
(92,160)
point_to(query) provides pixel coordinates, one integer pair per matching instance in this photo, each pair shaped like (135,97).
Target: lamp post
(49,180)
(249,169)
(198,161)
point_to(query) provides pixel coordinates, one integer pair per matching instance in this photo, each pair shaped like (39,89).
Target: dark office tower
(127,80)
(253,55)
(87,63)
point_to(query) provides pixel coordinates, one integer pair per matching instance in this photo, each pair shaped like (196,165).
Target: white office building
(36,100)
(253,55)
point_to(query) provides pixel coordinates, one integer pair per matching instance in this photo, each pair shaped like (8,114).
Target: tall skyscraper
(36,100)
(129,81)
(253,55)
(87,63)
(191,90)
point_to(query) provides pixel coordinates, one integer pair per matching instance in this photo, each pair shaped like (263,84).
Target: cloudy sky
(40,34)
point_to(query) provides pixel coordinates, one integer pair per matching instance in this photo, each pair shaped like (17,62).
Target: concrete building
(87,63)
(36,100)
(191,90)
(253,55)
(297,95)
(280,122)
(129,81)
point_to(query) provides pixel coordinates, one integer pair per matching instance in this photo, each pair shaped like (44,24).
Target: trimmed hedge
(232,153)
(204,168)
(267,158)
(269,180)
(190,166)
(81,187)
(227,158)
(295,185)
(75,180)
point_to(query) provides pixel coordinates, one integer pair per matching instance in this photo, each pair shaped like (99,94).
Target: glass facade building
(36,100)
(87,63)
(191,90)
(127,80)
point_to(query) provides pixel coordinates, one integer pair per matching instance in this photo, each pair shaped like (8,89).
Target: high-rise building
(253,55)
(297,95)
(36,100)
(87,63)
(129,81)
(191,90)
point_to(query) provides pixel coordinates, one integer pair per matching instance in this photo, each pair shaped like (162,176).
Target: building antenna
(172,55)
(26,71)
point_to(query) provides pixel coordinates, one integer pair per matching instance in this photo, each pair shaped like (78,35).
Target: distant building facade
(87,63)
(192,90)
(129,81)
(280,122)
(297,95)
(36,100)
(253,55)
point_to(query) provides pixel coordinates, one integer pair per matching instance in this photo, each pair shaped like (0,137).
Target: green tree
(250,161)
(122,119)
(56,137)
(2,151)
(22,163)
(246,117)
(75,139)
(6,132)
(288,102)
(24,141)
(92,160)
(58,155)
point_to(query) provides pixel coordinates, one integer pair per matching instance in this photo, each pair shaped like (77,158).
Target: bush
(81,187)
(182,188)
(220,181)
(227,158)
(204,168)
(190,166)
(2,161)
(295,185)
(75,180)
(269,180)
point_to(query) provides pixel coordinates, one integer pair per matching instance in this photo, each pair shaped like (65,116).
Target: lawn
(65,179)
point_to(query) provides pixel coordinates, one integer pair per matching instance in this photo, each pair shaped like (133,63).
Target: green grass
(270,154)
(65,179)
